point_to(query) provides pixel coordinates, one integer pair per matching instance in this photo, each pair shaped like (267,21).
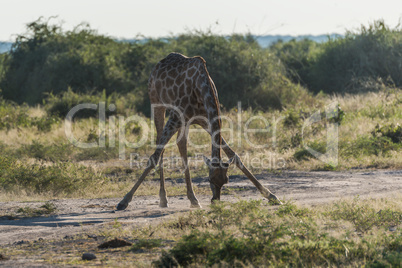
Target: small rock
(92,236)
(88,256)
(392,228)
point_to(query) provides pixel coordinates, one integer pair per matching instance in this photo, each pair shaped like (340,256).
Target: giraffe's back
(175,81)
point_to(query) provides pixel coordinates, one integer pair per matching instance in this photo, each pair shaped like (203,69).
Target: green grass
(252,234)
(146,244)
(45,209)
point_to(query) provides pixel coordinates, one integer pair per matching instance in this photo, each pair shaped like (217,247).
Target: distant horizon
(261,39)
(127,19)
(141,36)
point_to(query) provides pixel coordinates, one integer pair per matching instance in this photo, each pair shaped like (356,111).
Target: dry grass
(274,147)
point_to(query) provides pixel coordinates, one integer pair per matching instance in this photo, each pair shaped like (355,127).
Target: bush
(373,52)
(298,58)
(59,105)
(51,153)
(13,116)
(381,141)
(393,132)
(48,60)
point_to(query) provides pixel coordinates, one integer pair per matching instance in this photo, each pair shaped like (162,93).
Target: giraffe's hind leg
(182,145)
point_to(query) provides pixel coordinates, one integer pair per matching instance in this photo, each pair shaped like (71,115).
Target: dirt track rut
(86,215)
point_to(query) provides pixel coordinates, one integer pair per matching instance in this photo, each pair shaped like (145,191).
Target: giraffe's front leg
(163,202)
(263,190)
(152,162)
(182,146)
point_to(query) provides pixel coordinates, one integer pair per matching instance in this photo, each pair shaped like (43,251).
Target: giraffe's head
(217,175)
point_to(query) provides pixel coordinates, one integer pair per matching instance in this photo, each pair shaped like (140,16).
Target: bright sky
(156,18)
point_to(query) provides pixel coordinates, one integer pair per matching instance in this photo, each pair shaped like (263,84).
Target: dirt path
(82,215)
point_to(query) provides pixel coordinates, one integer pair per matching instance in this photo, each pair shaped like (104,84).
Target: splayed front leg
(163,202)
(153,160)
(273,199)
(182,146)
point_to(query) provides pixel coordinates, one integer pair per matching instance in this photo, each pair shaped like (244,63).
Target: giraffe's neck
(216,138)
(215,123)
(211,105)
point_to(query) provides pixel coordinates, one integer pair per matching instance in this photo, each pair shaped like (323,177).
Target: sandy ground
(80,215)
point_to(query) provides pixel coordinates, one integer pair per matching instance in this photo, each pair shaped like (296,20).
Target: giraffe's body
(183,86)
(181,82)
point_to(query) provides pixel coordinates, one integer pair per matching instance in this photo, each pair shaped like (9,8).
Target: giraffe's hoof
(163,205)
(121,206)
(273,200)
(195,205)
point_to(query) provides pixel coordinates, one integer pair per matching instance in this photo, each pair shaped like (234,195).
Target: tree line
(47,61)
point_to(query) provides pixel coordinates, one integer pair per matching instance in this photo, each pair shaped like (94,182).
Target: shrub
(46,59)
(13,116)
(372,52)
(304,154)
(53,152)
(298,58)
(59,105)
(394,132)
(381,141)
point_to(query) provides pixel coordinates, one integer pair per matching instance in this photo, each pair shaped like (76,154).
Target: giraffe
(182,86)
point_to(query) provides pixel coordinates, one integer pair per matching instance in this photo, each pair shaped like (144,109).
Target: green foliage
(391,131)
(369,145)
(292,119)
(14,116)
(290,236)
(289,208)
(298,58)
(61,179)
(45,209)
(59,105)
(304,154)
(372,52)
(361,61)
(381,141)
(364,217)
(146,244)
(48,60)
(53,152)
